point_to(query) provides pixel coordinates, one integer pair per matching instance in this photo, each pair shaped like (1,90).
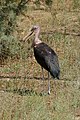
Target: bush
(9,10)
(9,46)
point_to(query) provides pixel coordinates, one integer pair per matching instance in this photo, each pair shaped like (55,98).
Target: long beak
(27,36)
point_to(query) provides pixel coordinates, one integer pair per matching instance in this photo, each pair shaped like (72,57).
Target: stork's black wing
(47,58)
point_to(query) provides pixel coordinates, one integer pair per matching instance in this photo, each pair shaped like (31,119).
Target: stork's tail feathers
(58,77)
(55,74)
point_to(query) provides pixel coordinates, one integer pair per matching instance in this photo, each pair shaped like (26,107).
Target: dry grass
(21,86)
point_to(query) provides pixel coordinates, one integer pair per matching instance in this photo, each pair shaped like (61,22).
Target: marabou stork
(44,55)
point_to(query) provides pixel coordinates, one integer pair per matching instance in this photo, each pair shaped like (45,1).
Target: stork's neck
(37,40)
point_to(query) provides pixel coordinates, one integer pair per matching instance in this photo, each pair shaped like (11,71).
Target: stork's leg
(42,74)
(48,84)
(43,77)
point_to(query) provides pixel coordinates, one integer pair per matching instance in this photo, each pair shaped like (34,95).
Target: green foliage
(9,10)
(9,46)
(48,2)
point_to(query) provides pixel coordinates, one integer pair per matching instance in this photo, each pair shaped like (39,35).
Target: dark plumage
(45,56)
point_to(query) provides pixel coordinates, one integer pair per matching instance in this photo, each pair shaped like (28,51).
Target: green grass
(22,103)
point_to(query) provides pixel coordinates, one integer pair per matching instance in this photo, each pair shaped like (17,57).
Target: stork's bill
(27,36)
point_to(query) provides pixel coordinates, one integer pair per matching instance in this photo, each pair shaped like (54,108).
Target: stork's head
(35,29)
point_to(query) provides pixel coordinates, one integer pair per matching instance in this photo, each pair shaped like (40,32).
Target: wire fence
(67,47)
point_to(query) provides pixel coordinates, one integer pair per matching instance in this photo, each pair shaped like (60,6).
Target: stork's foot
(48,92)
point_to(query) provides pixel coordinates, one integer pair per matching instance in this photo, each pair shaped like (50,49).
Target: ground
(21,87)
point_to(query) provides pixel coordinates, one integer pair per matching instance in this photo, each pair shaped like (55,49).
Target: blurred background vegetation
(12,10)
(9,43)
